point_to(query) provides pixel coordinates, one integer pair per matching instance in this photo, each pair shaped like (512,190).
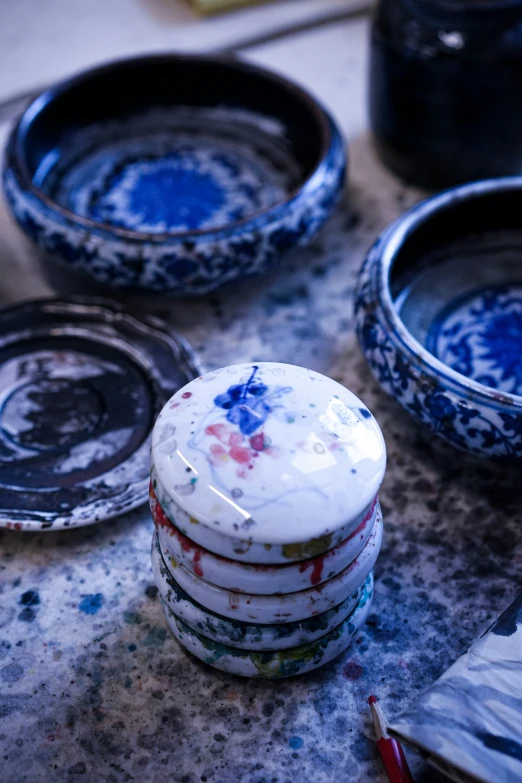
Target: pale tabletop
(96,690)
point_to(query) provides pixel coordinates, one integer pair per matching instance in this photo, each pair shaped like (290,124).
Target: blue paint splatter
(30,598)
(131,647)
(245,404)
(91,604)
(296,743)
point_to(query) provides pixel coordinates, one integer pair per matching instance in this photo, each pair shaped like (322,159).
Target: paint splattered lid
(266,462)
(81,382)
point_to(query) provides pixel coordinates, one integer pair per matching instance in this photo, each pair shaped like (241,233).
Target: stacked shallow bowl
(264,481)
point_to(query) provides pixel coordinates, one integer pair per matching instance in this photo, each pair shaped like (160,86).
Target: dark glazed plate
(81,383)
(171,175)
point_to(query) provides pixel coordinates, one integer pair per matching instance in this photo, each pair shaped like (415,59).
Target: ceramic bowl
(280,663)
(266,463)
(261,579)
(172,174)
(439,315)
(287,608)
(246,636)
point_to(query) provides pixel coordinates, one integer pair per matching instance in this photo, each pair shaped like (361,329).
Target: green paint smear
(306,549)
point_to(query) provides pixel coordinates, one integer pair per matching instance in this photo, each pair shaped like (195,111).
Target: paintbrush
(390,750)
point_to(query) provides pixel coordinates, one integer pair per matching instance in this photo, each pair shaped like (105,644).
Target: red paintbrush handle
(394,761)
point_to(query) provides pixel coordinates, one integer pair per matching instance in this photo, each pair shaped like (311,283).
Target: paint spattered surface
(94,688)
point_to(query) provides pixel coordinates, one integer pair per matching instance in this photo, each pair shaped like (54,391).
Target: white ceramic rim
(227,573)
(270,609)
(191,613)
(235,659)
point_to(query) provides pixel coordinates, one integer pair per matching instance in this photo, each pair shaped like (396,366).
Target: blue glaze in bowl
(172,174)
(439,315)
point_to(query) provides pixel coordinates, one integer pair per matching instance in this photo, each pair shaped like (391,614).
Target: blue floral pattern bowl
(172,174)
(439,315)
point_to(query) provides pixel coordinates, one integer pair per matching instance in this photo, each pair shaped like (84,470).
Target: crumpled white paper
(469,723)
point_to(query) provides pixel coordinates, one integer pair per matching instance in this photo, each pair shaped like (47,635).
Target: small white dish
(257,578)
(246,636)
(291,607)
(281,663)
(266,463)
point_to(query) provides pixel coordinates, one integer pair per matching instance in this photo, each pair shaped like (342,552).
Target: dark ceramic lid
(81,383)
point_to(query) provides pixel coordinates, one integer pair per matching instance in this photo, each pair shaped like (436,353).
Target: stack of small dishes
(264,482)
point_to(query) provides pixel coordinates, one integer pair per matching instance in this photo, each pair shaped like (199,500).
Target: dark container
(446,89)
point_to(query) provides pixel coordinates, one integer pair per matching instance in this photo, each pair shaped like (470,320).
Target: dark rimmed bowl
(172,174)
(439,315)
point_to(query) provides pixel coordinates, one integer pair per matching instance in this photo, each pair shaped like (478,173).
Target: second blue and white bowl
(439,315)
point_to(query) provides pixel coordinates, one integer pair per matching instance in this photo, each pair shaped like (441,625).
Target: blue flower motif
(463,354)
(402,370)
(369,335)
(466,413)
(440,407)
(512,423)
(502,338)
(246,404)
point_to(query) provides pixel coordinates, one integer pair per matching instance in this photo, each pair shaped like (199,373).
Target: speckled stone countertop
(93,687)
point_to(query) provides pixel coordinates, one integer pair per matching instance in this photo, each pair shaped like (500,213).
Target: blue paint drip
(91,604)
(296,743)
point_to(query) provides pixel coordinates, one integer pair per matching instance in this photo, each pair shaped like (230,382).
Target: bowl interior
(456,283)
(170,145)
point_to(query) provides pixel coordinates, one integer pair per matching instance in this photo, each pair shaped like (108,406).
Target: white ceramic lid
(270,453)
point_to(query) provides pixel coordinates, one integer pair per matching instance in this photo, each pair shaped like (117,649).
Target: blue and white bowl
(439,315)
(172,174)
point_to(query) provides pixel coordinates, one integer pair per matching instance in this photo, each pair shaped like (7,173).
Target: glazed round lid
(268,452)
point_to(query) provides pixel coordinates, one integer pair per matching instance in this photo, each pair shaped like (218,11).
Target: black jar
(446,89)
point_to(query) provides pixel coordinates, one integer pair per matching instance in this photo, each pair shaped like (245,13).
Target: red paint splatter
(363,524)
(258,441)
(217,452)
(186,395)
(186,544)
(195,560)
(240,454)
(317,568)
(219,431)
(158,515)
(353,671)
(372,509)
(174,405)
(235,439)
